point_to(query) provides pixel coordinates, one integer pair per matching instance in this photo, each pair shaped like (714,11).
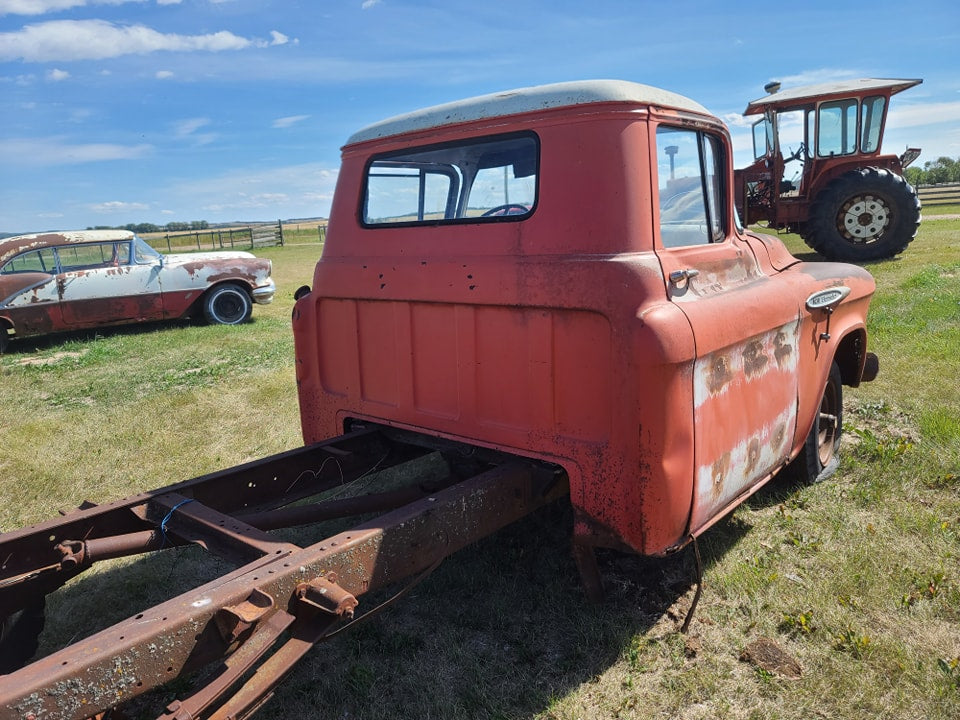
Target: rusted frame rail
(250,626)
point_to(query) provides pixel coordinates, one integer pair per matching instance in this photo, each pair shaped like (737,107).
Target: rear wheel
(820,455)
(865,214)
(227,305)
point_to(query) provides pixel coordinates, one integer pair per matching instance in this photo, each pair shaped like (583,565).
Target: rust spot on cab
(719,374)
(781,348)
(754,358)
(778,435)
(718,472)
(753,456)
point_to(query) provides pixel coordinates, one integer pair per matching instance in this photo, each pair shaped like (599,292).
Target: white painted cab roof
(803,95)
(522,100)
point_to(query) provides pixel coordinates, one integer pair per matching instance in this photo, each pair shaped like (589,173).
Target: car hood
(201,257)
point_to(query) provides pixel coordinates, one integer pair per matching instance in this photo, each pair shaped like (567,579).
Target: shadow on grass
(500,629)
(62,340)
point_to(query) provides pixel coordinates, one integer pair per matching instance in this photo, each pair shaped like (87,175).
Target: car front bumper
(263,295)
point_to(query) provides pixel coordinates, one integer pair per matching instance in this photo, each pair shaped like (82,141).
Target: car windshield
(145,253)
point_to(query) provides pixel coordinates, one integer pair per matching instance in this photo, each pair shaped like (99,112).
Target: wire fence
(242,238)
(946,194)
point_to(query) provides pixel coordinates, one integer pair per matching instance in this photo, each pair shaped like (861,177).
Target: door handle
(679,276)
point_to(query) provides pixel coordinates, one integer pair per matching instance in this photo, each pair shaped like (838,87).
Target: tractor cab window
(479,180)
(871,123)
(690,183)
(762,138)
(837,128)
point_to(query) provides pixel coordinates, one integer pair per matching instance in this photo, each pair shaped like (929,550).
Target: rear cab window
(477,180)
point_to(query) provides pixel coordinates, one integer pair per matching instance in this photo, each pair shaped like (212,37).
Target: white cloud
(56,75)
(163,74)
(99,39)
(41,7)
(187,130)
(901,116)
(117,206)
(367,4)
(183,128)
(294,191)
(56,150)
(814,77)
(286,122)
(278,38)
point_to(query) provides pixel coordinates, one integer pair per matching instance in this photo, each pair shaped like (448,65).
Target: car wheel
(865,214)
(19,636)
(820,455)
(4,339)
(227,305)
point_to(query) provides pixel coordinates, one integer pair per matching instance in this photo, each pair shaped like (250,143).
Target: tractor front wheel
(865,214)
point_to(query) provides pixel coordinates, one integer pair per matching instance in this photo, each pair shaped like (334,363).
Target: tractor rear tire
(866,214)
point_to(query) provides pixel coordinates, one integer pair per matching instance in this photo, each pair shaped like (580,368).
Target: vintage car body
(669,362)
(53,282)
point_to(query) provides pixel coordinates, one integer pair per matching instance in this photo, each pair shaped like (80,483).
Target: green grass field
(857,579)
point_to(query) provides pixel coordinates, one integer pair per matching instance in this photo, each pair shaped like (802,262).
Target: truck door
(745,325)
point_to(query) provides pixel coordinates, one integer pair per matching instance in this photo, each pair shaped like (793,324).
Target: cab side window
(690,185)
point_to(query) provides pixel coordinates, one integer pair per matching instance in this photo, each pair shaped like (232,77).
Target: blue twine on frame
(166,519)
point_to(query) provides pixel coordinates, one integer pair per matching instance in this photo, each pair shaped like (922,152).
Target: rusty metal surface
(560,336)
(33,563)
(240,616)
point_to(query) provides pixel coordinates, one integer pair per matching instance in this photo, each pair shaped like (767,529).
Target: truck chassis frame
(249,627)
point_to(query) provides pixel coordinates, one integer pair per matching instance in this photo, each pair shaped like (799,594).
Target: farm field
(857,579)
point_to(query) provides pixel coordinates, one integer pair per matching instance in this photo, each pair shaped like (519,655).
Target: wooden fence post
(280,230)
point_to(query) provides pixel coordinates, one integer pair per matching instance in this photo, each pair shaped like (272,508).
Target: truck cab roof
(523,100)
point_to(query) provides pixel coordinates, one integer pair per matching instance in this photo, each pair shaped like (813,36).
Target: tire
(4,339)
(865,214)
(19,636)
(227,304)
(820,455)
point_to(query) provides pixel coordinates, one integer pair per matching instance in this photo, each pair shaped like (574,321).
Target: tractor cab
(818,169)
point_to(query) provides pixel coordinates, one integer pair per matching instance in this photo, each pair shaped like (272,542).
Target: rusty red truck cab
(559,273)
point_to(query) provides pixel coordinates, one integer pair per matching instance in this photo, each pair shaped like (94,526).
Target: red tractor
(847,200)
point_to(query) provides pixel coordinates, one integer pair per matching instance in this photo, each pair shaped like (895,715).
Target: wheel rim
(229,307)
(827,421)
(863,218)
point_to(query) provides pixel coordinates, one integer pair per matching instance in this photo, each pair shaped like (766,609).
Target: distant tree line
(934,172)
(151,228)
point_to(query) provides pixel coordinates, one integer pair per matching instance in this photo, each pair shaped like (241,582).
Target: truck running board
(247,628)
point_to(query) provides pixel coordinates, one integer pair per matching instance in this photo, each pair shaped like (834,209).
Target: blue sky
(119,111)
